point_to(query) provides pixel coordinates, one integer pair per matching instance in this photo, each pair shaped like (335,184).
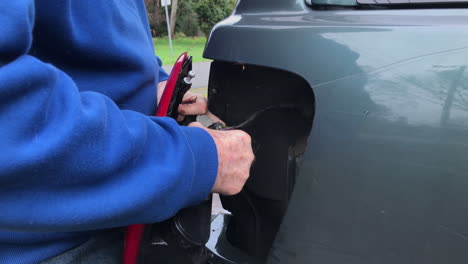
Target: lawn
(194,46)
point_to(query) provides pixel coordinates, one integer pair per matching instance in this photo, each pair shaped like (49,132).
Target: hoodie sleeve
(73,160)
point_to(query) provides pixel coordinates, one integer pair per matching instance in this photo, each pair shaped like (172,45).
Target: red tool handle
(134,233)
(163,106)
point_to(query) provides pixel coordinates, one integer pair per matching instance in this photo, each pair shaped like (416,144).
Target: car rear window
(380,2)
(399,2)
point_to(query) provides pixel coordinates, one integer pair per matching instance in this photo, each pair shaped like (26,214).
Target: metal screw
(190,76)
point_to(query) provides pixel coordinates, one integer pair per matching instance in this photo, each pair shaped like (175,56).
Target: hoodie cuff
(205,163)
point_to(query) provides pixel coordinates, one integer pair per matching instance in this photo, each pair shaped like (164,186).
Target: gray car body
(385,174)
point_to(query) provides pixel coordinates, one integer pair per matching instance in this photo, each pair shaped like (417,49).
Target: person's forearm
(73,160)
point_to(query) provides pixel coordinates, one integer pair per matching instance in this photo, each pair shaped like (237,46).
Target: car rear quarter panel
(385,175)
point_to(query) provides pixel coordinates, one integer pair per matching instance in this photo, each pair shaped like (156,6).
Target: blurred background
(191,22)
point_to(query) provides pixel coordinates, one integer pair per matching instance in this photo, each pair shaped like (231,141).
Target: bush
(180,35)
(211,12)
(192,15)
(187,22)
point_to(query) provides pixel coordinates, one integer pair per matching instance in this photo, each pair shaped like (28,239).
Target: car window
(378,2)
(332,2)
(407,1)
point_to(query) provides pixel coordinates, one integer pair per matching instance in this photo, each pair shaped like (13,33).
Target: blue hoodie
(78,150)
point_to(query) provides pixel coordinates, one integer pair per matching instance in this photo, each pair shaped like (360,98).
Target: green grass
(194,46)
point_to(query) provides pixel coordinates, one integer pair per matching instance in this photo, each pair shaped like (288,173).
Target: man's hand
(160,90)
(235,157)
(193,104)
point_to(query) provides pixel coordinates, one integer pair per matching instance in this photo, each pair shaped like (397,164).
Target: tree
(187,22)
(156,10)
(211,12)
(173,16)
(153,12)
